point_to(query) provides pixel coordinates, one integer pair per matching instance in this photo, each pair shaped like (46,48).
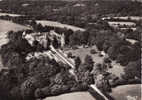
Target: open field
(127,92)
(82,52)
(111,23)
(73,96)
(60,25)
(7,14)
(137,18)
(6,26)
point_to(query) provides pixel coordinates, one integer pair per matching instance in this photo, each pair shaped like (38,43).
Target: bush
(107,60)
(77,62)
(39,93)
(133,70)
(100,55)
(93,51)
(119,82)
(74,47)
(69,55)
(59,89)
(16,93)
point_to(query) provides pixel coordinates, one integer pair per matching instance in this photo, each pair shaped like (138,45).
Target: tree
(16,93)
(69,55)
(106,46)
(85,77)
(102,83)
(33,23)
(73,40)
(12,59)
(122,59)
(55,42)
(77,62)
(39,28)
(107,60)
(27,89)
(88,61)
(93,51)
(67,36)
(5,86)
(61,78)
(133,69)
(135,52)
(98,69)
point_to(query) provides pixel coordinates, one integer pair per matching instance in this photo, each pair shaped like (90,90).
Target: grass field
(73,96)
(60,25)
(6,26)
(127,92)
(7,14)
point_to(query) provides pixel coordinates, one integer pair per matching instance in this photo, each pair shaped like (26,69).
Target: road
(62,57)
(98,94)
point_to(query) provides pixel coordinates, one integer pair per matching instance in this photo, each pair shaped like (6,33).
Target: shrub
(93,51)
(107,60)
(77,62)
(69,55)
(119,82)
(133,69)
(74,47)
